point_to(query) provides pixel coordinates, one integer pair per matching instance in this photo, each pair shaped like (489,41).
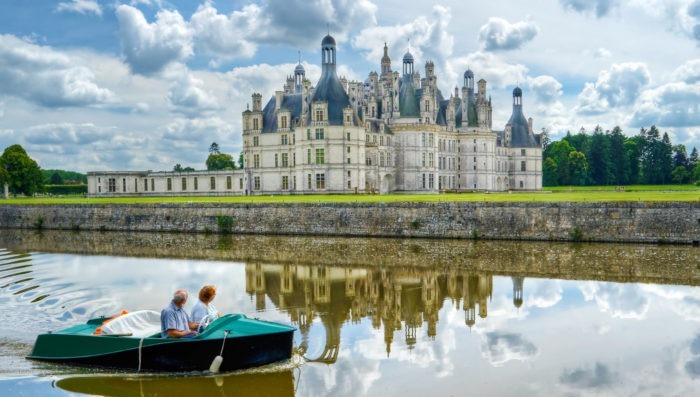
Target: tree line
(612,158)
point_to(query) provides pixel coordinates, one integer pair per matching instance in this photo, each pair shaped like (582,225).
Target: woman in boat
(204,307)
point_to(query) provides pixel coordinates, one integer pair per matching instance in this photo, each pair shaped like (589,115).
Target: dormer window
(319,115)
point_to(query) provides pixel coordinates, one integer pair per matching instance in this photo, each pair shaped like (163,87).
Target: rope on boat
(214,367)
(140,347)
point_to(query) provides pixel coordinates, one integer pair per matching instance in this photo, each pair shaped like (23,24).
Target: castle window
(348,149)
(308,134)
(196,183)
(319,133)
(256,140)
(123,184)
(276,160)
(320,181)
(184,183)
(145,185)
(348,160)
(229,182)
(522,166)
(308,180)
(283,122)
(423,159)
(285,182)
(256,183)
(431,181)
(285,159)
(112,183)
(427,106)
(212,183)
(285,139)
(320,156)
(170,184)
(256,161)
(319,115)
(136,185)
(240,183)
(521,184)
(308,156)
(255,124)
(522,152)
(381,140)
(153,184)
(348,135)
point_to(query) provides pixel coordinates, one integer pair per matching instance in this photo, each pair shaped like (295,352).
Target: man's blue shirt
(173,317)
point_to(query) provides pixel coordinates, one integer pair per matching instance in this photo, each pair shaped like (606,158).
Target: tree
(549,172)
(240,160)
(634,149)
(578,168)
(693,164)
(680,156)
(619,158)
(214,148)
(56,179)
(23,173)
(599,158)
(680,175)
(560,154)
(220,161)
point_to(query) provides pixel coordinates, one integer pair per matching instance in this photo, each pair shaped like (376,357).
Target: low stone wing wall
(673,222)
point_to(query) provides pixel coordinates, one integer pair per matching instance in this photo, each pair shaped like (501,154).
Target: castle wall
(608,222)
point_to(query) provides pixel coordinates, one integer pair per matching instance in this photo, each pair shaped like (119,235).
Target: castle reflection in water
(394,299)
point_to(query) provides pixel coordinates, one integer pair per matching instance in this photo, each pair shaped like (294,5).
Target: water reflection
(379,317)
(393,299)
(247,384)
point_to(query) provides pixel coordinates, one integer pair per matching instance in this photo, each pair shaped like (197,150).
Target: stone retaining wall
(677,223)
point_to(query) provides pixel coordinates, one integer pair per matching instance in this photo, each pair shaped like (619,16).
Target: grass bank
(678,193)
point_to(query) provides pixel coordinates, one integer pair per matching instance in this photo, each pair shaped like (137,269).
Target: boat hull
(155,354)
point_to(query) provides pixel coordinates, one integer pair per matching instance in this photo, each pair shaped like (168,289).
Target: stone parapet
(630,222)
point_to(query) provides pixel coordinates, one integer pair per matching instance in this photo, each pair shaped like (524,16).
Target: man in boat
(174,322)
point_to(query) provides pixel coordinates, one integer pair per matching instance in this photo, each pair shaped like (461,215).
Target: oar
(216,364)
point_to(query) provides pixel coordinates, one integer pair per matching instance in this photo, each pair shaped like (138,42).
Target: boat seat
(140,324)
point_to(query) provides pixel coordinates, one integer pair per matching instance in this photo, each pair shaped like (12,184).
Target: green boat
(133,342)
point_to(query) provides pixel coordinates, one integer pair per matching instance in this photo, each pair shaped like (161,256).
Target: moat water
(374,317)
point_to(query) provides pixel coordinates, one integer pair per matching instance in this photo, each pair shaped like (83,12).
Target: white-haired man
(174,322)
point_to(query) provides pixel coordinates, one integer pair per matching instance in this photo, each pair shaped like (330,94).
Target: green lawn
(686,193)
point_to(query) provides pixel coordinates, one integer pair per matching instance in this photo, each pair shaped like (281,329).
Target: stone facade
(608,222)
(394,132)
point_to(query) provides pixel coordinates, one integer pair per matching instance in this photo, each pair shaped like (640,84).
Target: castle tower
(517,291)
(386,65)
(299,76)
(469,116)
(408,65)
(518,128)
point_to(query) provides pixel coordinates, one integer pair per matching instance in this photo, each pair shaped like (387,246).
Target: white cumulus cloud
(499,34)
(81,7)
(46,77)
(598,7)
(616,87)
(150,47)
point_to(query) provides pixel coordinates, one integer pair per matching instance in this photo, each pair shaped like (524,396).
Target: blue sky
(91,85)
